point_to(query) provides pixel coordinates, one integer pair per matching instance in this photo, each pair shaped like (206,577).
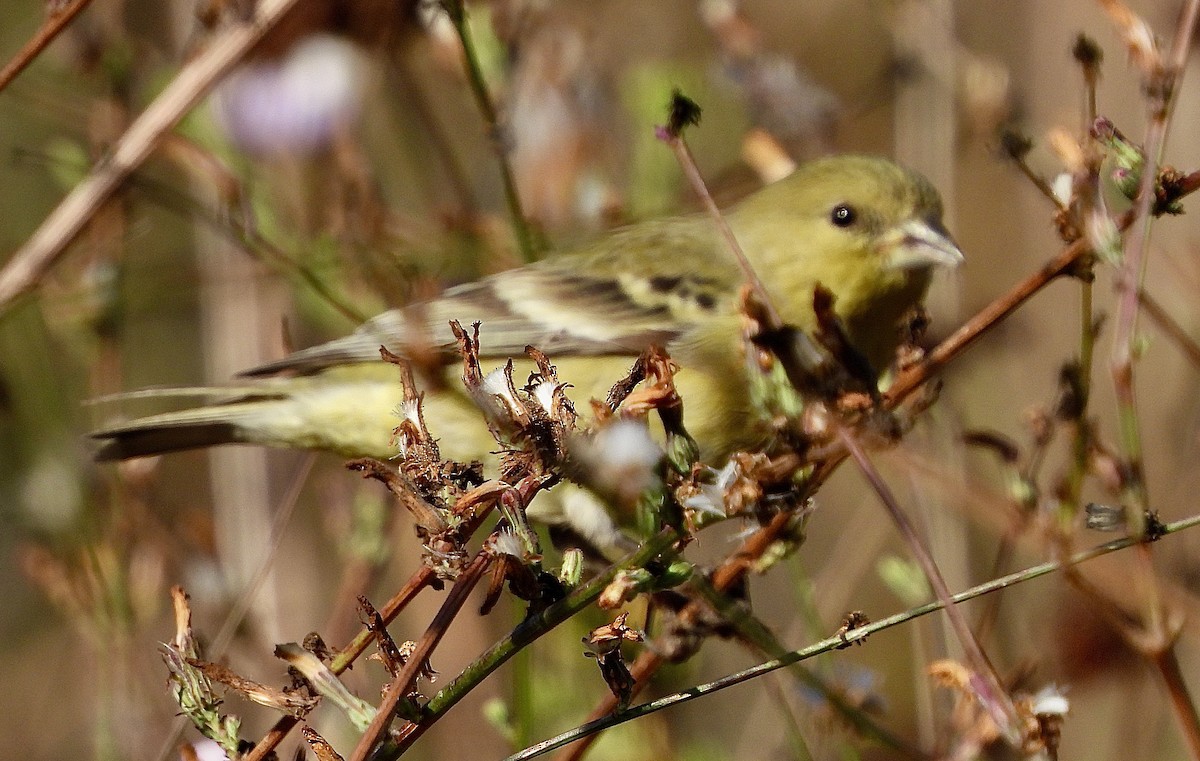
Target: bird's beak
(919,244)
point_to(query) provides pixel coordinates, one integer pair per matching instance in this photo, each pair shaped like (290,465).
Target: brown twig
(991,692)
(237,613)
(30,263)
(1163,88)
(1162,85)
(673,136)
(912,378)
(402,685)
(1156,635)
(1167,663)
(835,642)
(417,582)
(423,578)
(55,22)
(1167,324)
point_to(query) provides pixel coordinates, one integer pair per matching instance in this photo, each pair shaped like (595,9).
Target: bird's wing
(598,301)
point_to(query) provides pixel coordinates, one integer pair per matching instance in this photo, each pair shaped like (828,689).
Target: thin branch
(422,578)
(31,262)
(456,10)
(417,582)
(51,28)
(910,379)
(1167,663)
(729,573)
(525,633)
(402,685)
(644,667)
(1162,87)
(1157,633)
(1167,324)
(683,154)
(991,693)
(241,606)
(1080,439)
(762,640)
(832,643)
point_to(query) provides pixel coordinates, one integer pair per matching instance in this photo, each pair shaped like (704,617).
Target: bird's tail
(229,421)
(348,410)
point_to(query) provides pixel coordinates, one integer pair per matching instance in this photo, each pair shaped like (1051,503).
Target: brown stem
(993,697)
(1162,88)
(684,155)
(1181,701)
(29,264)
(645,667)
(417,582)
(729,573)
(913,377)
(402,685)
(51,28)
(1168,325)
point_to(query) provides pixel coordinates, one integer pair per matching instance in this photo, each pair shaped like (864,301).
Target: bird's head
(865,228)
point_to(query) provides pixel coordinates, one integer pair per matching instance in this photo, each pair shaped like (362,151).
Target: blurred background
(345,167)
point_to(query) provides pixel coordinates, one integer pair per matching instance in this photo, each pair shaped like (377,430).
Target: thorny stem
(854,635)
(456,10)
(993,697)
(402,685)
(51,28)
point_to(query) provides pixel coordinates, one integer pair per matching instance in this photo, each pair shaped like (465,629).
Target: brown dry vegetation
(186,267)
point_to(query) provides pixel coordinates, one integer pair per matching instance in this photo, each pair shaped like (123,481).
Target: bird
(864,228)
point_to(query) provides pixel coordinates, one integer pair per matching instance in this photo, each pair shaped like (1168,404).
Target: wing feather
(577,304)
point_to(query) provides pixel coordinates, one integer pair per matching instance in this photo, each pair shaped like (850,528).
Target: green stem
(1070,506)
(522,696)
(524,634)
(456,10)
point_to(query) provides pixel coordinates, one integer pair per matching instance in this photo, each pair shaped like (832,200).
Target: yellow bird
(863,227)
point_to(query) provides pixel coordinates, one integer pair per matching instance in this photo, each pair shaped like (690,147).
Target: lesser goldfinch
(864,228)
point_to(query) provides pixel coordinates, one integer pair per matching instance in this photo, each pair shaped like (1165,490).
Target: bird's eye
(843,215)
